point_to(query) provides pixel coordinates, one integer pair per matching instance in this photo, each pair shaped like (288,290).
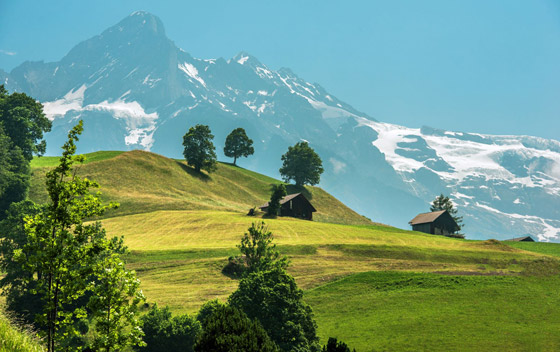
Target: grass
(372,286)
(144,182)
(537,247)
(429,312)
(52,161)
(13,339)
(176,250)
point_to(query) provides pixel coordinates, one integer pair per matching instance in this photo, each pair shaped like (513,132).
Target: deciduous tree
(278,192)
(238,145)
(273,298)
(199,150)
(301,164)
(230,330)
(62,253)
(258,251)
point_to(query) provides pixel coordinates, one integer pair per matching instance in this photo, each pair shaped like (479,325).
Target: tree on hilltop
(238,145)
(301,164)
(199,150)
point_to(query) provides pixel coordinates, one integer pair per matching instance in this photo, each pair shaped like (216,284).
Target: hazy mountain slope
(135,89)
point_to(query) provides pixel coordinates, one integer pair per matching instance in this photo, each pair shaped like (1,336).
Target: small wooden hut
(435,223)
(523,239)
(294,205)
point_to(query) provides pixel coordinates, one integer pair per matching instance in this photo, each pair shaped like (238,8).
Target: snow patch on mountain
(192,72)
(72,100)
(547,229)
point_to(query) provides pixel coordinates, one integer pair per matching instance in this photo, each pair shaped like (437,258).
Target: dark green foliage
(301,164)
(64,260)
(199,150)
(19,299)
(164,333)
(238,145)
(235,267)
(278,192)
(24,122)
(273,298)
(333,345)
(444,203)
(230,330)
(257,250)
(207,310)
(14,173)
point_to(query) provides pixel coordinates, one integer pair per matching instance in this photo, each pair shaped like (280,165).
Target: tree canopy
(301,164)
(22,124)
(444,203)
(258,251)
(273,298)
(238,145)
(228,329)
(199,150)
(278,192)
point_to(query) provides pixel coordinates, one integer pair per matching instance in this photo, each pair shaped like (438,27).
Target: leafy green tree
(165,333)
(19,299)
(333,345)
(258,251)
(61,255)
(114,302)
(207,310)
(273,298)
(14,173)
(230,330)
(238,145)
(24,122)
(301,164)
(278,192)
(199,150)
(444,203)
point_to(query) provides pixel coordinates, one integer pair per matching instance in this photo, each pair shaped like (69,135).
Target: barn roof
(521,239)
(286,199)
(426,217)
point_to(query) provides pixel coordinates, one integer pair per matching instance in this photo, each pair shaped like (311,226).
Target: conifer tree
(444,203)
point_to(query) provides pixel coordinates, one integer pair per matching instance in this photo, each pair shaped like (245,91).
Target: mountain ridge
(130,98)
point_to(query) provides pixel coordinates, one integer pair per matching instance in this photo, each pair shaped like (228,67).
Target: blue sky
(480,66)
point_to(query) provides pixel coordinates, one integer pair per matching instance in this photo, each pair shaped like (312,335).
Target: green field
(372,286)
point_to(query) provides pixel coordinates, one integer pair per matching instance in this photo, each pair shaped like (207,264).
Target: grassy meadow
(373,286)
(13,339)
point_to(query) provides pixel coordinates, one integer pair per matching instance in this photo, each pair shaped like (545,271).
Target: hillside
(130,99)
(143,182)
(409,288)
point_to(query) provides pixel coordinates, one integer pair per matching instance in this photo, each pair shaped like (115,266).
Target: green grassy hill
(142,182)
(373,286)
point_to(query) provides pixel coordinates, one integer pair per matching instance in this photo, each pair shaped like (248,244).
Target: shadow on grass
(192,172)
(291,189)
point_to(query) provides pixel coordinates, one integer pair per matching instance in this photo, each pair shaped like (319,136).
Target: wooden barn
(523,239)
(294,205)
(435,223)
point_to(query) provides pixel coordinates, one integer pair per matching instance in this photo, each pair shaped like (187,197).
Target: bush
(228,329)
(164,333)
(333,345)
(234,268)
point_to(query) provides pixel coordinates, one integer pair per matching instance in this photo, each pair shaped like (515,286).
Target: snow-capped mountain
(135,89)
